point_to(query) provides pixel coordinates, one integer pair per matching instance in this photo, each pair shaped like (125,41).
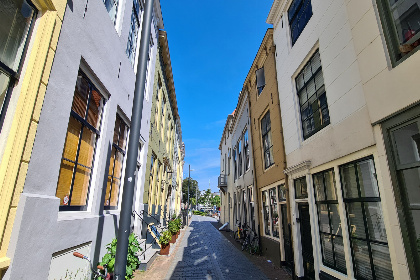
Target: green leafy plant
(132,260)
(173,227)
(165,237)
(178,223)
(199,213)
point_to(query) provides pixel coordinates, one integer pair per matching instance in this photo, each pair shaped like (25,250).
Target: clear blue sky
(212,46)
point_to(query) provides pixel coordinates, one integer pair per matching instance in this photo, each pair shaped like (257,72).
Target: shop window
(282,193)
(266,139)
(401,23)
(330,226)
(260,79)
(271,214)
(299,13)
(366,227)
(312,97)
(301,189)
(134,32)
(115,164)
(79,147)
(403,145)
(16,21)
(266,212)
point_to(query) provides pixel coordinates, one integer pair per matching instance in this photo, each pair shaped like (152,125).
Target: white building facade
(346,115)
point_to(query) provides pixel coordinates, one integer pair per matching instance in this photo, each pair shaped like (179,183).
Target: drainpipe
(132,151)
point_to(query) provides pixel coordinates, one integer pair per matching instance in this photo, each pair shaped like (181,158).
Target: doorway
(306,240)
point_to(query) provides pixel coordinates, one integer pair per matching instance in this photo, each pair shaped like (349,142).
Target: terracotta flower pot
(173,239)
(164,250)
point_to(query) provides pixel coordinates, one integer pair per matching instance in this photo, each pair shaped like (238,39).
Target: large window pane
(406,146)
(266,213)
(15,21)
(4,85)
(77,160)
(312,97)
(300,11)
(365,220)
(274,213)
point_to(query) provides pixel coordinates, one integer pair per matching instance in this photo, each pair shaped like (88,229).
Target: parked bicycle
(238,234)
(96,274)
(251,241)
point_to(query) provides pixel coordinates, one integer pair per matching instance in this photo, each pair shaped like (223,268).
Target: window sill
(75,215)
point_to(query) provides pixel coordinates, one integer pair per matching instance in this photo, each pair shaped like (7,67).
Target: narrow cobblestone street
(207,254)
(204,253)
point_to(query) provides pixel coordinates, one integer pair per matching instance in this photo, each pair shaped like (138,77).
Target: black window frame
(118,149)
(307,112)
(134,28)
(362,201)
(294,17)
(11,74)
(332,235)
(266,132)
(85,124)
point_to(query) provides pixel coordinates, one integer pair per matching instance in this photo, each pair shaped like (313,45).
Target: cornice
(298,168)
(274,11)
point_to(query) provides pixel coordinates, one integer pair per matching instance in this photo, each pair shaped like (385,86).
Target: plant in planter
(178,223)
(164,239)
(173,229)
(132,260)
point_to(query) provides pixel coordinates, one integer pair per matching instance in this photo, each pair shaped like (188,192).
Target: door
(288,249)
(306,240)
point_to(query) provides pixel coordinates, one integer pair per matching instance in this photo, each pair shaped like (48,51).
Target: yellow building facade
(23,89)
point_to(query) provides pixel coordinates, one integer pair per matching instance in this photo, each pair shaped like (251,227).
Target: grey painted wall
(89,40)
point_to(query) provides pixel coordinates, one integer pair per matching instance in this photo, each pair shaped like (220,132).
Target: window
(368,238)
(312,97)
(246,150)
(330,228)
(260,79)
(266,213)
(299,13)
(79,147)
(402,137)
(112,8)
(240,158)
(115,164)
(282,193)
(301,189)
(229,157)
(234,164)
(16,20)
(401,24)
(270,211)
(266,139)
(133,33)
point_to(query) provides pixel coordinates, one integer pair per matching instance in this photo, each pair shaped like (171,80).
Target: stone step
(147,255)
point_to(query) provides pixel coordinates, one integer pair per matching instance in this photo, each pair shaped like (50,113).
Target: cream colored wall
(23,124)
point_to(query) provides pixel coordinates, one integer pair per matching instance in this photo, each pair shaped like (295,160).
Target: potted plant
(164,239)
(173,229)
(179,225)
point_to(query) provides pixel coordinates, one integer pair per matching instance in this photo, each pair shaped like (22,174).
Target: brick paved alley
(203,253)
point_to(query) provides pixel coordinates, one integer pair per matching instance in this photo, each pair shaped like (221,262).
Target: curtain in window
(82,132)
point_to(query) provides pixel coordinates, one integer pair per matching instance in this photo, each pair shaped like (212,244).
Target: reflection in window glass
(366,227)
(301,190)
(15,21)
(274,213)
(329,221)
(266,205)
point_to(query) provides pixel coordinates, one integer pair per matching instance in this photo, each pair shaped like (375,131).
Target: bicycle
(251,241)
(96,274)
(238,233)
